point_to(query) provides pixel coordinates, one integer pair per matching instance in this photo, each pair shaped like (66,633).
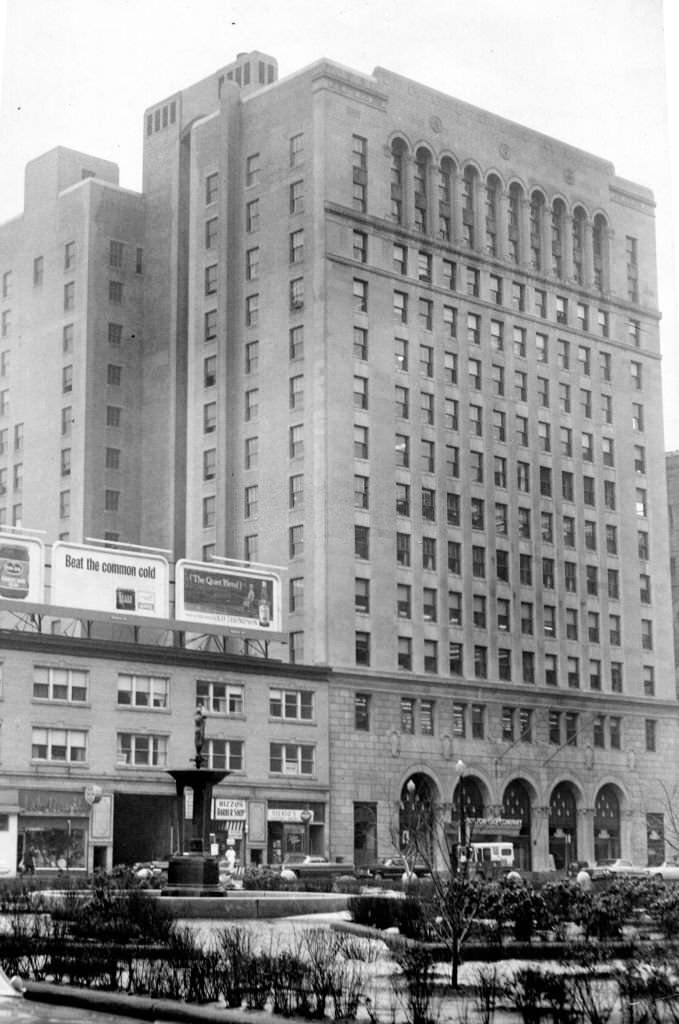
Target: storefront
(53,831)
(294,827)
(229,827)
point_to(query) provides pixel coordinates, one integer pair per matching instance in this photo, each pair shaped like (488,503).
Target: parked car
(293,860)
(615,866)
(152,872)
(311,866)
(668,871)
(393,867)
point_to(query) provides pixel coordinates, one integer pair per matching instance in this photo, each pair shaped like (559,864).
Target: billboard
(110,580)
(21,568)
(222,596)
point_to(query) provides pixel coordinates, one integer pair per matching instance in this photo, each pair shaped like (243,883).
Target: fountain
(193,872)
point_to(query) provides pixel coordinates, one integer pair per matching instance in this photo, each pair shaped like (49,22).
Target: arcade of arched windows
(459,205)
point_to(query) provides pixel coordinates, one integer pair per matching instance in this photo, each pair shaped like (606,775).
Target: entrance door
(606,824)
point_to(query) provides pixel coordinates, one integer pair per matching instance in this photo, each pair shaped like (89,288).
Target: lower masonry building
(90,729)
(88,717)
(409,351)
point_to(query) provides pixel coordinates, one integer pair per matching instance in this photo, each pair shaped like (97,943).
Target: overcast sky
(79,73)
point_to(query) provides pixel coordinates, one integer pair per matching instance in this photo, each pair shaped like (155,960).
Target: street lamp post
(461,844)
(305,818)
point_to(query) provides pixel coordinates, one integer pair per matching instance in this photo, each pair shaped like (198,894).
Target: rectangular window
(478,714)
(407,715)
(360,343)
(361,491)
(296,294)
(429,553)
(296,392)
(297,246)
(252,211)
(497,335)
(405,653)
(252,170)
(115,256)
(360,441)
(362,712)
(291,705)
(362,542)
(251,404)
(142,691)
(250,501)
(38,270)
(296,342)
(362,595)
(296,492)
(362,647)
(296,541)
(251,270)
(291,759)
(296,200)
(400,307)
(209,417)
(209,517)
(554,723)
(252,310)
(209,463)
(60,745)
(60,684)
(454,557)
(297,149)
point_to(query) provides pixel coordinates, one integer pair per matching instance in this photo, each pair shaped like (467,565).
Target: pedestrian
(230,856)
(29,861)
(584,880)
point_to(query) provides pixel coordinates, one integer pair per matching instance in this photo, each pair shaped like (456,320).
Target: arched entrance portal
(417,816)
(516,805)
(606,824)
(563,838)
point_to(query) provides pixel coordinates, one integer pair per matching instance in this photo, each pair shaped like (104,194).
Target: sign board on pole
(21,568)
(110,580)
(233,597)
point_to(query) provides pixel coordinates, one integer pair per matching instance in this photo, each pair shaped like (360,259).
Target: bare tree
(444,848)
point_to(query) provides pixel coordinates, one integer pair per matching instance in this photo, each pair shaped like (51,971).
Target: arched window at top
(514,222)
(558,222)
(492,201)
(537,221)
(579,219)
(468,213)
(421,189)
(600,252)
(445,188)
(397,178)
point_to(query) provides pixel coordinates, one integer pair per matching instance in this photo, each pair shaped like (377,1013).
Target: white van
(485,856)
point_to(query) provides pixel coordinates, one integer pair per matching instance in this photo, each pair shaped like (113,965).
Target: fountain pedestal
(193,872)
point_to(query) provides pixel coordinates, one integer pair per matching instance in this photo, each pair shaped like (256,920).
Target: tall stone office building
(409,351)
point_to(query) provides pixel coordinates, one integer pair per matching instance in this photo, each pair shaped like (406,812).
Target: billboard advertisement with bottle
(21,568)
(110,580)
(223,596)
